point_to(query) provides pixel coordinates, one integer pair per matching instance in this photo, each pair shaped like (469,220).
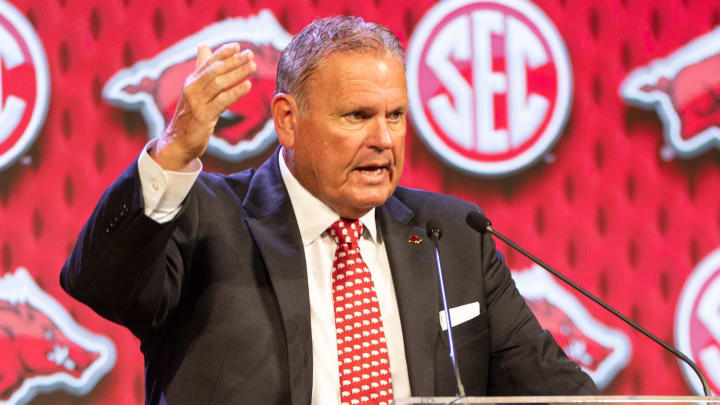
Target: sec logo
(489,84)
(697,322)
(24,85)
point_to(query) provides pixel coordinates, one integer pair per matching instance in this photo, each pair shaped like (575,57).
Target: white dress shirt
(164,191)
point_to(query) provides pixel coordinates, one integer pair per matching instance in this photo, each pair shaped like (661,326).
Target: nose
(379,135)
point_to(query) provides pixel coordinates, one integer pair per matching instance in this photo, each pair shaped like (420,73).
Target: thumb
(203,54)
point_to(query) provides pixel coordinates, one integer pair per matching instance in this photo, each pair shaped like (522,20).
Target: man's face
(349,140)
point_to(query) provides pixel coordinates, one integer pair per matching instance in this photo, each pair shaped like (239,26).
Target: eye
(396,116)
(356,115)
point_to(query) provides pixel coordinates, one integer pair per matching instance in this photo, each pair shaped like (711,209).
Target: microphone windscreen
(477,221)
(433,226)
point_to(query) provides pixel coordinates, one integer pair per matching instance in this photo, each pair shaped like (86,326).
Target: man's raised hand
(220,78)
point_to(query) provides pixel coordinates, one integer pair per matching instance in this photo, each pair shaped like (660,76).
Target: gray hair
(324,37)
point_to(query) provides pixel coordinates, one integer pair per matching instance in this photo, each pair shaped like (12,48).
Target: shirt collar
(314,216)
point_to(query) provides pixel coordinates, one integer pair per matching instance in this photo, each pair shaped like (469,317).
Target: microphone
(434,232)
(480,223)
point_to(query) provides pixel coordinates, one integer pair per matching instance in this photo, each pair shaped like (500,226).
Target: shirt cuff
(164,190)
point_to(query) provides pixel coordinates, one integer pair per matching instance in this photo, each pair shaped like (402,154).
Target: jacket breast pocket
(472,353)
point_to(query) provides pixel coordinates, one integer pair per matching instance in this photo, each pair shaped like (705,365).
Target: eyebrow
(366,108)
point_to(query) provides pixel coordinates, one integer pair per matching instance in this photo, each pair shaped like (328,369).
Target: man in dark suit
(248,288)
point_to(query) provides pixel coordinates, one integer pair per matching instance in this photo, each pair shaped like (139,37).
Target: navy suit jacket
(219,296)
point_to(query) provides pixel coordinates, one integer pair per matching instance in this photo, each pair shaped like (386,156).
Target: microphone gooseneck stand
(434,232)
(480,223)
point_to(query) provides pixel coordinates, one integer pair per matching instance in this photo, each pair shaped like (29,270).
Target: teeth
(368,170)
(375,172)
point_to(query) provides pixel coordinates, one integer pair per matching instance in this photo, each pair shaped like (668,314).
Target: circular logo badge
(24,85)
(697,322)
(489,84)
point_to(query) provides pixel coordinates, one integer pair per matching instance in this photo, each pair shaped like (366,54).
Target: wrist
(169,155)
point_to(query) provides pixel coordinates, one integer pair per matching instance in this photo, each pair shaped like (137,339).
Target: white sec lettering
(486,82)
(526,113)
(452,41)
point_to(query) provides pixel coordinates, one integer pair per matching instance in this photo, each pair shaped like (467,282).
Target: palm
(219,79)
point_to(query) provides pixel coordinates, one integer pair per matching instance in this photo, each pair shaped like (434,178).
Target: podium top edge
(585,399)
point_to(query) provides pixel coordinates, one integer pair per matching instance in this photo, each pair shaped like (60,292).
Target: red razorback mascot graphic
(153,86)
(684,88)
(42,348)
(598,349)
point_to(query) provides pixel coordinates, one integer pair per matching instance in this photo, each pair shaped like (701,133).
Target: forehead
(358,73)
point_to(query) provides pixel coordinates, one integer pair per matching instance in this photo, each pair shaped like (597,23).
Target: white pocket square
(460,314)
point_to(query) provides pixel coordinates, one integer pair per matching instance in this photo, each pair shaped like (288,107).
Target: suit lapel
(416,290)
(275,230)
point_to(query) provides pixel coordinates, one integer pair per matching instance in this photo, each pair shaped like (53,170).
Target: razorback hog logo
(489,84)
(697,323)
(153,86)
(24,85)
(598,349)
(42,348)
(684,89)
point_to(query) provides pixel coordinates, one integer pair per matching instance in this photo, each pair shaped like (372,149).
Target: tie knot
(346,231)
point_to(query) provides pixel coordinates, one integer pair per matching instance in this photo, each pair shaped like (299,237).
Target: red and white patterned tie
(363,359)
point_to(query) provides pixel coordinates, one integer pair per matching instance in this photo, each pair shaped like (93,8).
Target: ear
(285,113)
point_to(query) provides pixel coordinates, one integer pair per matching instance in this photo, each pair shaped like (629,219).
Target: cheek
(399,152)
(337,158)
(329,169)
(399,147)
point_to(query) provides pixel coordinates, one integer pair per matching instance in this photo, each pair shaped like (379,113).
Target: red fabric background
(604,208)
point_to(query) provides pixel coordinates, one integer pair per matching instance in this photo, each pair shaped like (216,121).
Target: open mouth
(372,170)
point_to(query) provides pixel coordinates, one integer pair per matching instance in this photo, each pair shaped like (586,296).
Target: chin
(363,199)
(371,201)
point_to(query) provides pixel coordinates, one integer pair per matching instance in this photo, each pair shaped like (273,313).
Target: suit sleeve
(127,267)
(524,359)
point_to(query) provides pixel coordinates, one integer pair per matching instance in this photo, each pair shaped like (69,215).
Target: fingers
(211,75)
(229,74)
(237,60)
(220,78)
(221,54)
(228,97)
(203,55)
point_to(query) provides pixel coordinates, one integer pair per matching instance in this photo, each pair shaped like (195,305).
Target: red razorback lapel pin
(414,239)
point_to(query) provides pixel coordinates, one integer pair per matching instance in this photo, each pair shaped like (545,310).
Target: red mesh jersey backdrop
(588,131)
